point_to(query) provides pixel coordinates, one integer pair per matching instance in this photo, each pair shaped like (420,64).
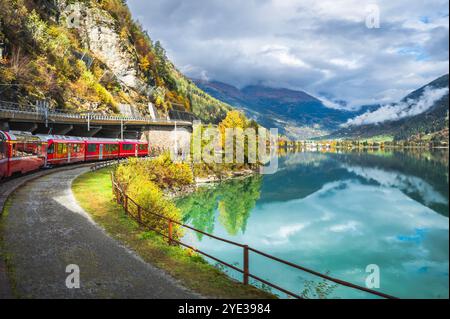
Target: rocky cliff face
(99,34)
(98,31)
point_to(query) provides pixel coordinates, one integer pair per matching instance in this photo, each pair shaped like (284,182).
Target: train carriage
(142,149)
(132,148)
(64,150)
(20,153)
(127,149)
(98,149)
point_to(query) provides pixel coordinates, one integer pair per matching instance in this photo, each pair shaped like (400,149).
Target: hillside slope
(432,122)
(91,55)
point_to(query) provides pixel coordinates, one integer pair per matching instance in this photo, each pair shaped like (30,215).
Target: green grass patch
(93,191)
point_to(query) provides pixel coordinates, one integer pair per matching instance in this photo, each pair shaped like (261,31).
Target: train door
(69,152)
(100,152)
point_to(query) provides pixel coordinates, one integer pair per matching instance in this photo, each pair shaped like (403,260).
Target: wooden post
(170,232)
(246,265)
(126,204)
(139,214)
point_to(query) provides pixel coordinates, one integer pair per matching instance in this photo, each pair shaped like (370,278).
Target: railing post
(170,232)
(126,204)
(246,265)
(139,214)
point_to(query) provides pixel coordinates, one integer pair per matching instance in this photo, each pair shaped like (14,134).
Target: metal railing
(126,202)
(32,110)
(105,164)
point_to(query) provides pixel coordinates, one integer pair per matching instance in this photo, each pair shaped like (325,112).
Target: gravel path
(46,230)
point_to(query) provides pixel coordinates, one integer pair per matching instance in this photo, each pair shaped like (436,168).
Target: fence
(126,202)
(104,164)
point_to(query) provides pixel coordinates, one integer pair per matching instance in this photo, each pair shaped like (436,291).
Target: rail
(31,110)
(104,164)
(126,202)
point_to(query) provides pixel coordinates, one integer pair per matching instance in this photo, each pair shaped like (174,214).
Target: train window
(51,149)
(76,148)
(61,148)
(3,149)
(20,150)
(111,148)
(127,147)
(13,150)
(39,149)
(31,149)
(142,147)
(92,148)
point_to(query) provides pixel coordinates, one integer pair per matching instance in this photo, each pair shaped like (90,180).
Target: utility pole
(121,130)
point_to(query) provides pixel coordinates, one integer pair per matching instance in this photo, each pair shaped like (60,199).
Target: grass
(93,191)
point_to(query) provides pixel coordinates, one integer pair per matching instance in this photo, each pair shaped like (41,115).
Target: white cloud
(393,112)
(322,47)
(350,226)
(330,104)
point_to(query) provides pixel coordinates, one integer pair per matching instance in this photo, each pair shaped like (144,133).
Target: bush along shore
(154,183)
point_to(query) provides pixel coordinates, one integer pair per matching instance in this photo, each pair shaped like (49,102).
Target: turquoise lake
(337,214)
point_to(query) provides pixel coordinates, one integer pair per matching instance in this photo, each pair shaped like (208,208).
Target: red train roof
(15,136)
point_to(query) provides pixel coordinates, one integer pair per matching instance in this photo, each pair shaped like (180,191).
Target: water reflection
(338,213)
(234,201)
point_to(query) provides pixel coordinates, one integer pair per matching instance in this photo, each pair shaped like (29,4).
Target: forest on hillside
(44,58)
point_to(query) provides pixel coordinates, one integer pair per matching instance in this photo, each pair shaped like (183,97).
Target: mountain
(422,114)
(297,114)
(91,55)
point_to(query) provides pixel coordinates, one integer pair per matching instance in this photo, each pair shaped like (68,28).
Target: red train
(22,152)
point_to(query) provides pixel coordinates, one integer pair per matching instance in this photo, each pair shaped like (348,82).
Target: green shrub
(147,195)
(144,181)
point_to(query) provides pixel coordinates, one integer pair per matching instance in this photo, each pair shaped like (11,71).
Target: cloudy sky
(322,47)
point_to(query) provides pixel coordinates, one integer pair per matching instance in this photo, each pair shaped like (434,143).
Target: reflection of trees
(237,200)
(199,209)
(234,199)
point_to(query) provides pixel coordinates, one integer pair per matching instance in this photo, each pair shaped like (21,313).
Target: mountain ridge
(302,116)
(296,113)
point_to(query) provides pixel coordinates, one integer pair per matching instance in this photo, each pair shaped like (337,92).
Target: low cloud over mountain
(394,112)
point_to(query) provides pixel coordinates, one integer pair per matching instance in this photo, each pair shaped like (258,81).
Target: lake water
(336,214)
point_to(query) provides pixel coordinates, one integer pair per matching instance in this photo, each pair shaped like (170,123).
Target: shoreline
(209,181)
